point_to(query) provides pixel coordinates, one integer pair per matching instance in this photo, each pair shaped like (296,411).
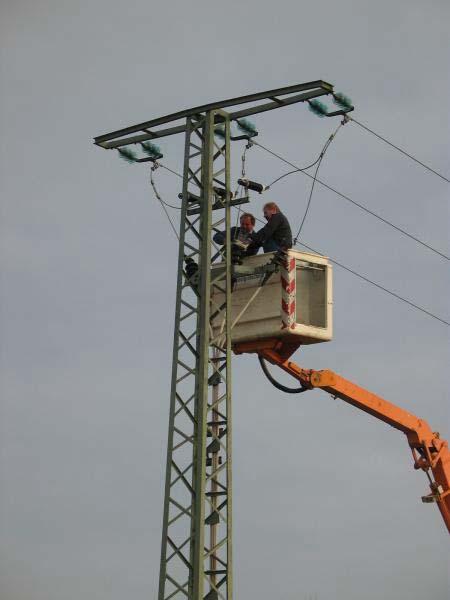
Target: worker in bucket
(277,234)
(242,243)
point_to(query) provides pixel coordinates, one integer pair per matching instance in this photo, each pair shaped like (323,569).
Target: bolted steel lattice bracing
(196,541)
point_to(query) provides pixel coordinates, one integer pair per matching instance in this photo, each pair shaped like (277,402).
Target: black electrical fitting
(191,267)
(253,185)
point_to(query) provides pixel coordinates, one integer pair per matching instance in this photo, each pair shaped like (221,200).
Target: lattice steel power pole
(196,549)
(196,540)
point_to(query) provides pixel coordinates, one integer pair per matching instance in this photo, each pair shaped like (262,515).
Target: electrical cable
(161,201)
(359,275)
(318,159)
(361,206)
(367,280)
(322,154)
(309,201)
(276,383)
(399,149)
(377,285)
(291,172)
(156,165)
(171,171)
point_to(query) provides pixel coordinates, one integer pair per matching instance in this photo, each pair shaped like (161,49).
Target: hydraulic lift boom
(430,452)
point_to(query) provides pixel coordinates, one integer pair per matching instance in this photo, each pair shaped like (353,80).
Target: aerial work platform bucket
(295,304)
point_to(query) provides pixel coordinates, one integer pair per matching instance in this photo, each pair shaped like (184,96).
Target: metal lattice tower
(196,549)
(196,540)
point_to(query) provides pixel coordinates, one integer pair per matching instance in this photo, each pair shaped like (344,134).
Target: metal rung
(218,205)
(217,572)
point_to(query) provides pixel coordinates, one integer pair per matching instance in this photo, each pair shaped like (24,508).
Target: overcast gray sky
(326,500)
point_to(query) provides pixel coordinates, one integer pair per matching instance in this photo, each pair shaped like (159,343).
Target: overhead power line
(381,287)
(361,206)
(367,280)
(359,275)
(380,137)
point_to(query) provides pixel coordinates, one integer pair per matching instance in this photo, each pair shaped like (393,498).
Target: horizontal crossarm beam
(149,129)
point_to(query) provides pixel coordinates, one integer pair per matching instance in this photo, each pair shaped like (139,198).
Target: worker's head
(269,209)
(247,222)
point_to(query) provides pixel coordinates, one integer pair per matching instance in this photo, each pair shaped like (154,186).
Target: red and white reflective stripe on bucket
(288,294)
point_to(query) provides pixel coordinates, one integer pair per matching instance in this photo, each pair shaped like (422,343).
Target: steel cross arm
(145,131)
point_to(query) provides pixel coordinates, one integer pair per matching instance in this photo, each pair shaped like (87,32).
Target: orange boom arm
(430,452)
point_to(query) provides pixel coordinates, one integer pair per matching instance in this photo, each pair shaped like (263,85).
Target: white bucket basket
(296,302)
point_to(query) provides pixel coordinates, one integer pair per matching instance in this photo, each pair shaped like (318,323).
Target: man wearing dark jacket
(276,235)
